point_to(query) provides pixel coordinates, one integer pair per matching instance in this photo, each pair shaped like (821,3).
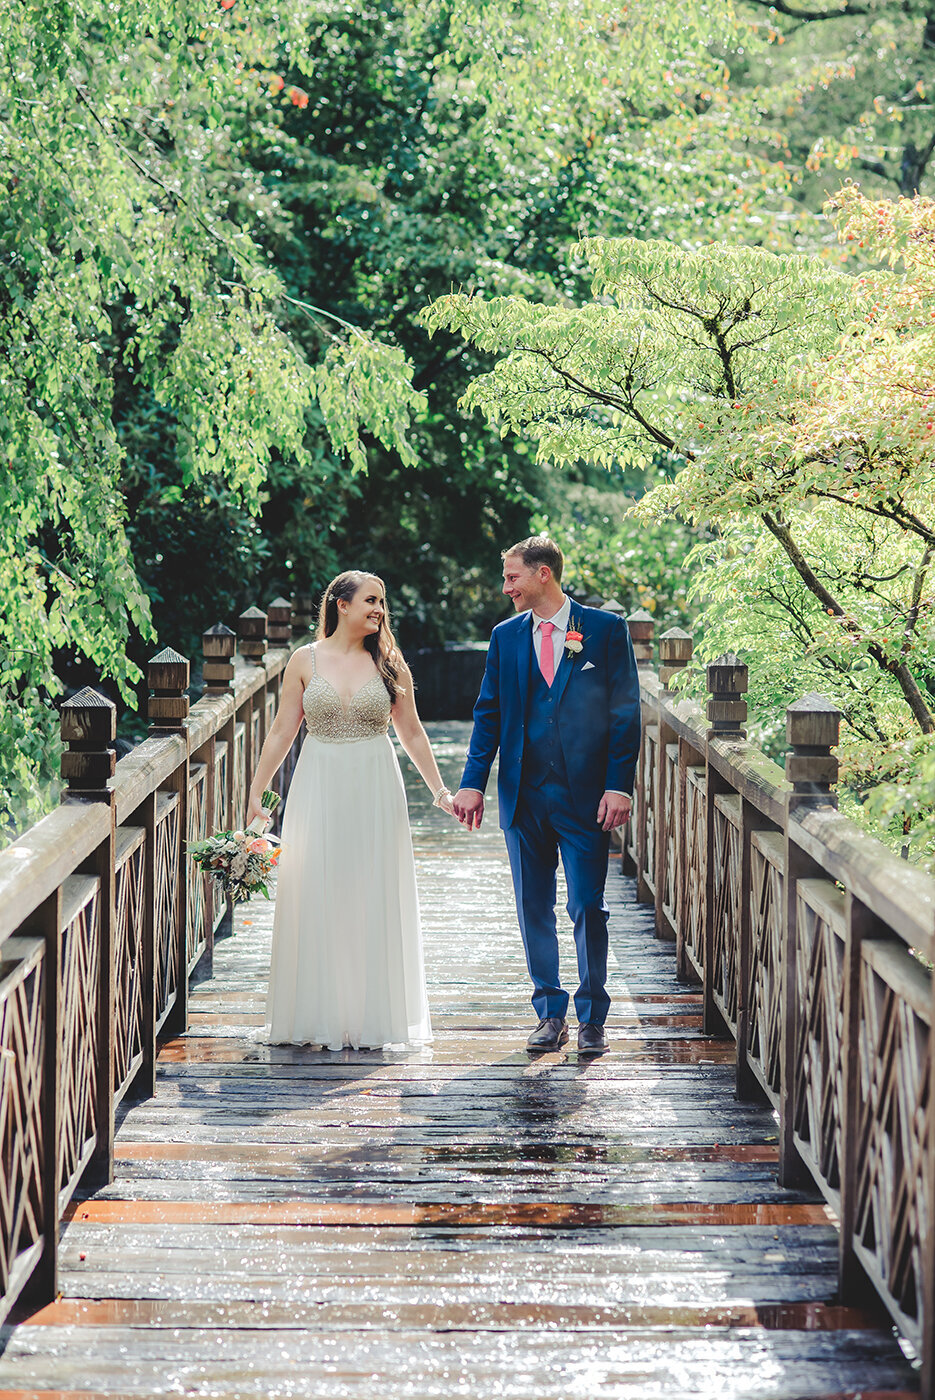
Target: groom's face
(523,585)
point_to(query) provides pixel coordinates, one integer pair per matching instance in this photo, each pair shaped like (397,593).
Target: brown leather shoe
(591,1039)
(550,1033)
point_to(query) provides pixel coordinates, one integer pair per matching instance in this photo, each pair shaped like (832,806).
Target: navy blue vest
(542,750)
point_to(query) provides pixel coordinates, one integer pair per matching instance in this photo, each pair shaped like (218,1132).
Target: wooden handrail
(805,934)
(100,897)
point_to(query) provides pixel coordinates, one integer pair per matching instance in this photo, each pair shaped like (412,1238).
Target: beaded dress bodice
(366,716)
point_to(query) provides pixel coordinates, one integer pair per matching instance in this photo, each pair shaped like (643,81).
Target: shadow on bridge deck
(458,1221)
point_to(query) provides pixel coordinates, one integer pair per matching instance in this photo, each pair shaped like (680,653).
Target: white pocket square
(588,666)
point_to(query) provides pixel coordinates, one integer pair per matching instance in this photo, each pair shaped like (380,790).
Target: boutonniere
(574,639)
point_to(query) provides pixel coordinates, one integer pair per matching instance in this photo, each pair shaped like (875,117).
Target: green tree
(121,265)
(798,398)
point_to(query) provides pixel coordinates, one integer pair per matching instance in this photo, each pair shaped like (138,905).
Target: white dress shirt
(560,623)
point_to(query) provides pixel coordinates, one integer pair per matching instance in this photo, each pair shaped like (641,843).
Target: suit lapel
(564,672)
(524,658)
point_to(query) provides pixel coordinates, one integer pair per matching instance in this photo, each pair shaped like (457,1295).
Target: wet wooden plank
(511,1362)
(460,1220)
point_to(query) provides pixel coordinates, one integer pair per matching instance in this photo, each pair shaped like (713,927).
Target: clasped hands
(613,809)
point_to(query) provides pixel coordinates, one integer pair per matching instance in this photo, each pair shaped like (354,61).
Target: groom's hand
(613,810)
(469,808)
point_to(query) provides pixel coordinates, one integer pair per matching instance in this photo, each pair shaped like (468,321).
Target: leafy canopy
(120,260)
(798,398)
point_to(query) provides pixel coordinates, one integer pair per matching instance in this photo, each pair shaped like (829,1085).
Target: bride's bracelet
(437,796)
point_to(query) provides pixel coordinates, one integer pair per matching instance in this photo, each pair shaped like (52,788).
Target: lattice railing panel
(166,920)
(726,886)
(671,882)
(893,1185)
(22,1046)
(129,895)
(819,1082)
(196,931)
(764,992)
(78,979)
(256,740)
(214,902)
(221,752)
(648,759)
(692,927)
(239,799)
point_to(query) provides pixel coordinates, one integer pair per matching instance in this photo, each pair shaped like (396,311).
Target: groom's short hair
(538,550)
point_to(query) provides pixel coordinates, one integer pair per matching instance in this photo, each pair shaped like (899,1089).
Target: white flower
(574,647)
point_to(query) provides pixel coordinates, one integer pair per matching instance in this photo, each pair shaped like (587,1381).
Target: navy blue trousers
(545,826)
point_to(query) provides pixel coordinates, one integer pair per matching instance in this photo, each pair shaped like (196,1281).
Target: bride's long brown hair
(381,645)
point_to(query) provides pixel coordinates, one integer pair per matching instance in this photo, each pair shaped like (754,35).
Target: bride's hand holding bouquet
(241,861)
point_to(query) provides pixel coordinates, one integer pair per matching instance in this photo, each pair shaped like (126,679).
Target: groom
(561,699)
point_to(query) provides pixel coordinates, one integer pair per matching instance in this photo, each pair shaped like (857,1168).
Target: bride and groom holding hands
(559,700)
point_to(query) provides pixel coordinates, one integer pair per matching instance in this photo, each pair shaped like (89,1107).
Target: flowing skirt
(347,967)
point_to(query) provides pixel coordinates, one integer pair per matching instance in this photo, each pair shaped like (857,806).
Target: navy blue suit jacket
(598,711)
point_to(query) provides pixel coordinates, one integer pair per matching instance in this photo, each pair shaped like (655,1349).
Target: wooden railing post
(217,647)
(812,725)
(675,653)
(46,923)
(642,629)
(812,729)
(252,644)
(279,614)
(217,671)
(168,677)
(251,635)
(302,614)
(89,727)
(727,681)
(675,650)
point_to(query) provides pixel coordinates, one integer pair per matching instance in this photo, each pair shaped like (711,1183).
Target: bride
(347,966)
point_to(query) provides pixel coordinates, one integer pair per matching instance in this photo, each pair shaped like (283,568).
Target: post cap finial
(812,730)
(89,725)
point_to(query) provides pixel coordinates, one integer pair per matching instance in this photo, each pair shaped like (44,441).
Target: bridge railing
(103,919)
(813,945)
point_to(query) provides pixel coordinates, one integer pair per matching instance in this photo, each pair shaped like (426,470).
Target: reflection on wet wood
(458,1221)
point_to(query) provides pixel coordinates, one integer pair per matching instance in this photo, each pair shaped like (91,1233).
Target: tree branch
(784,8)
(900,672)
(912,617)
(899,515)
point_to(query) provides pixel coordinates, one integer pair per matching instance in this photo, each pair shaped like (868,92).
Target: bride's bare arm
(282,732)
(414,739)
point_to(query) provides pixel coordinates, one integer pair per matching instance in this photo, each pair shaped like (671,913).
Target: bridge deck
(457,1222)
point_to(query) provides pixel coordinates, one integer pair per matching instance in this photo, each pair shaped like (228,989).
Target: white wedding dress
(347,967)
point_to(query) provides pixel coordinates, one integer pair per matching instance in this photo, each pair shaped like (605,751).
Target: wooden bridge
(737,1201)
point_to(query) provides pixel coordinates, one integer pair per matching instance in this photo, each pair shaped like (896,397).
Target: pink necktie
(547,652)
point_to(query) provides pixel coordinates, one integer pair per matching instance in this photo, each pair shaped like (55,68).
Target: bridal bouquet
(240,861)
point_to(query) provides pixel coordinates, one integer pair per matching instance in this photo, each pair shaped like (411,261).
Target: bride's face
(364,612)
